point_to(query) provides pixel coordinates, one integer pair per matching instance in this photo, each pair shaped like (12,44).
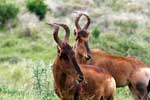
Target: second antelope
(127,71)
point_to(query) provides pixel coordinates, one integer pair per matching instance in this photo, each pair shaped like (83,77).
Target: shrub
(7,11)
(96,31)
(116,5)
(38,7)
(42,79)
(128,27)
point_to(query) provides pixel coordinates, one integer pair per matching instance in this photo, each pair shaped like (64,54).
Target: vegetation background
(27,49)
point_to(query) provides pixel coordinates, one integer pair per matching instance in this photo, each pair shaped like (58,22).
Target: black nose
(88,57)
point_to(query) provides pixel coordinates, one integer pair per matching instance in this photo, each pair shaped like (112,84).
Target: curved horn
(77,22)
(55,35)
(88,22)
(67,31)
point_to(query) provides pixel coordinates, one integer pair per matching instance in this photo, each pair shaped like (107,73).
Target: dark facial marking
(139,97)
(66,50)
(77,92)
(130,85)
(63,56)
(88,57)
(101,98)
(75,32)
(110,98)
(148,87)
(83,34)
(87,46)
(141,87)
(77,68)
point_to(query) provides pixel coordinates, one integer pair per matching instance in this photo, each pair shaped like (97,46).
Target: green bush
(95,32)
(38,7)
(7,11)
(43,80)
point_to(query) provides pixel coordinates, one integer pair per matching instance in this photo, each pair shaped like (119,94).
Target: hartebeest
(98,84)
(126,70)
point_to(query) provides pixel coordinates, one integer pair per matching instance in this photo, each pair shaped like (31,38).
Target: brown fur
(97,82)
(121,68)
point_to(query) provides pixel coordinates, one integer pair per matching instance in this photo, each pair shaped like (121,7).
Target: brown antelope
(127,71)
(97,85)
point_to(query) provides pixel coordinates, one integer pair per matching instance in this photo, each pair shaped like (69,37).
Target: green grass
(22,57)
(27,85)
(25,48)
(25,60)
(124,46)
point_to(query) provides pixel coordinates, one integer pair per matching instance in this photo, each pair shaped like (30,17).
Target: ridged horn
(67,30)
(55,34)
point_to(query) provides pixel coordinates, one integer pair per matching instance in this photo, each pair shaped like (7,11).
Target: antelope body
(127,71)
(98,84)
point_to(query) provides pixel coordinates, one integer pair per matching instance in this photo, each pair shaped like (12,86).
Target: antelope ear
(148,87)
